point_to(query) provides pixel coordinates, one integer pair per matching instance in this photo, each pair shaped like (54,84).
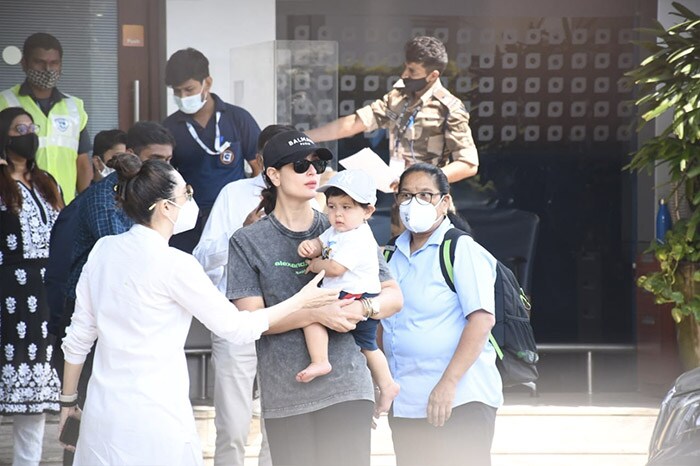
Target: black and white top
(28,381)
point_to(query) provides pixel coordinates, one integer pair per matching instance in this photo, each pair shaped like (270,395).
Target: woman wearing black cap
(139,296)
(327,420)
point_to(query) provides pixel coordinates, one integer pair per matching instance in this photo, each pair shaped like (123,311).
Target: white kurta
(137,296)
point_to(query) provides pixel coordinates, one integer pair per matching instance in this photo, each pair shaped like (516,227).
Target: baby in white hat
(347,251)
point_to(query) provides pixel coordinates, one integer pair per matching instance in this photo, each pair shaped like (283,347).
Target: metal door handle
(137,100)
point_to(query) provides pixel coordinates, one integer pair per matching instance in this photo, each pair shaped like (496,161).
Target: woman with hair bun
(138,296)
(29,204)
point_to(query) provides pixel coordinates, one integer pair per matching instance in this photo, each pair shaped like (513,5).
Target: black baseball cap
(290,146)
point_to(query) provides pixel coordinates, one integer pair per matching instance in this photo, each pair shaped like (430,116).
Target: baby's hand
(313,265)
(308,267)
(306,248)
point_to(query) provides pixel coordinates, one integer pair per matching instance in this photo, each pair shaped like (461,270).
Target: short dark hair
(443,187)
(431,170)
(145,133)
(428,52)
(41,40)
(141,184)
(105,140)
(186,64)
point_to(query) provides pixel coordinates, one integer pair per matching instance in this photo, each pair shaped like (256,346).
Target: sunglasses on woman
(302,166)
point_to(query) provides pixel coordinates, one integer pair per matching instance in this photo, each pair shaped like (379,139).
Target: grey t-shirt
(263,261)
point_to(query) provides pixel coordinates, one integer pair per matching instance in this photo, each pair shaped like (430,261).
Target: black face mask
(25,145)
(411,86)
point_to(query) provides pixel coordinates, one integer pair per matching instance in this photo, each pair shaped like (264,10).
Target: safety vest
(59,134)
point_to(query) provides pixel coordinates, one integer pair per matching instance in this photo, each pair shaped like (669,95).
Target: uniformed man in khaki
(426,123)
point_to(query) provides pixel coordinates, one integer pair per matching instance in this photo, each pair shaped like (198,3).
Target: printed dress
(28,382)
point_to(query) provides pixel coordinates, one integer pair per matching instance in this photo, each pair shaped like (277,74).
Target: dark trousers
(464,440)
(58,360)
(338,435)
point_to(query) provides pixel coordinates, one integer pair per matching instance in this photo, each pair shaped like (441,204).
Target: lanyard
(218,147)
(402,126)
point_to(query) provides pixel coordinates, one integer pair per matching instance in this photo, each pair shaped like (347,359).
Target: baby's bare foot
(315,369)
(384,397)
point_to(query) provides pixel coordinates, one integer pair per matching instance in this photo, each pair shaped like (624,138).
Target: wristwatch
(371,307)
(68,401)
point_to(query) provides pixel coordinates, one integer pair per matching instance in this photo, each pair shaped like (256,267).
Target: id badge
(227,157)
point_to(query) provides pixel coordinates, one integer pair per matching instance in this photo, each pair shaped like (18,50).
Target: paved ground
(553,430)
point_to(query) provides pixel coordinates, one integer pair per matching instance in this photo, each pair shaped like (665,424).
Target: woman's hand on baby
(314,297)
(339,316)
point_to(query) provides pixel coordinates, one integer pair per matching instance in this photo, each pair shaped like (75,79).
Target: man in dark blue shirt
(58,265)
(213,138)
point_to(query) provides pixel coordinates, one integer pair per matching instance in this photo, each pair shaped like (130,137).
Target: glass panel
(288,82)
(87,30)
(552,117)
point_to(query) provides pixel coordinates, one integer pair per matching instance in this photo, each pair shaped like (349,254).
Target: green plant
(669,81)
(672,282)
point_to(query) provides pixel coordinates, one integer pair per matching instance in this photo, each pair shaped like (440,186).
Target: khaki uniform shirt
(434,129)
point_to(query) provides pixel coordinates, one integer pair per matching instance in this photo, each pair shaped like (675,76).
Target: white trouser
(28,433)
(235,367)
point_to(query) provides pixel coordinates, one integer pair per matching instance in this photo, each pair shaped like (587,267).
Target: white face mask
(416,217)
(191,104)
(189,211)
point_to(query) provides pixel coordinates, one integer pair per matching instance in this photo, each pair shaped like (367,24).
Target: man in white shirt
(236,206)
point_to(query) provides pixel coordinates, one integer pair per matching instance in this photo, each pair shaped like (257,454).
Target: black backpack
(512,336)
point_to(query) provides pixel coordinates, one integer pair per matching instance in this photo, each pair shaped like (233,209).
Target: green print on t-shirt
(293,265)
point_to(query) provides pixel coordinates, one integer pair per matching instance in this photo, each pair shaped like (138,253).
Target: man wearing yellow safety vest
(63,139)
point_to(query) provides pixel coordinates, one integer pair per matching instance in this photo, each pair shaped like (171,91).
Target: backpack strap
(390,248)
(448,248)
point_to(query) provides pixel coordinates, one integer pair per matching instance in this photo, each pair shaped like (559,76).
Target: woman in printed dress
(29,204)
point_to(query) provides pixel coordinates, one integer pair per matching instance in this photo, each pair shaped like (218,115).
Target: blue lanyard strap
(403,125)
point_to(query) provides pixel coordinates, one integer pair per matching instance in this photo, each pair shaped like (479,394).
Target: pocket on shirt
(436,144)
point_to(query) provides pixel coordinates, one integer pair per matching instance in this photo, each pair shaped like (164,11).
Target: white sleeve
(82,332)
(212,249)
(190,287)
(325,236)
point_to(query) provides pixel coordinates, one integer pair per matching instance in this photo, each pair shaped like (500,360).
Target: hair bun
(126,164)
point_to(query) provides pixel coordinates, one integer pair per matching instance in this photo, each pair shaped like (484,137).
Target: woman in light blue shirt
(437,346)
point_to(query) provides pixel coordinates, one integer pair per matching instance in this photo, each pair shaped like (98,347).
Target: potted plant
(669,81)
